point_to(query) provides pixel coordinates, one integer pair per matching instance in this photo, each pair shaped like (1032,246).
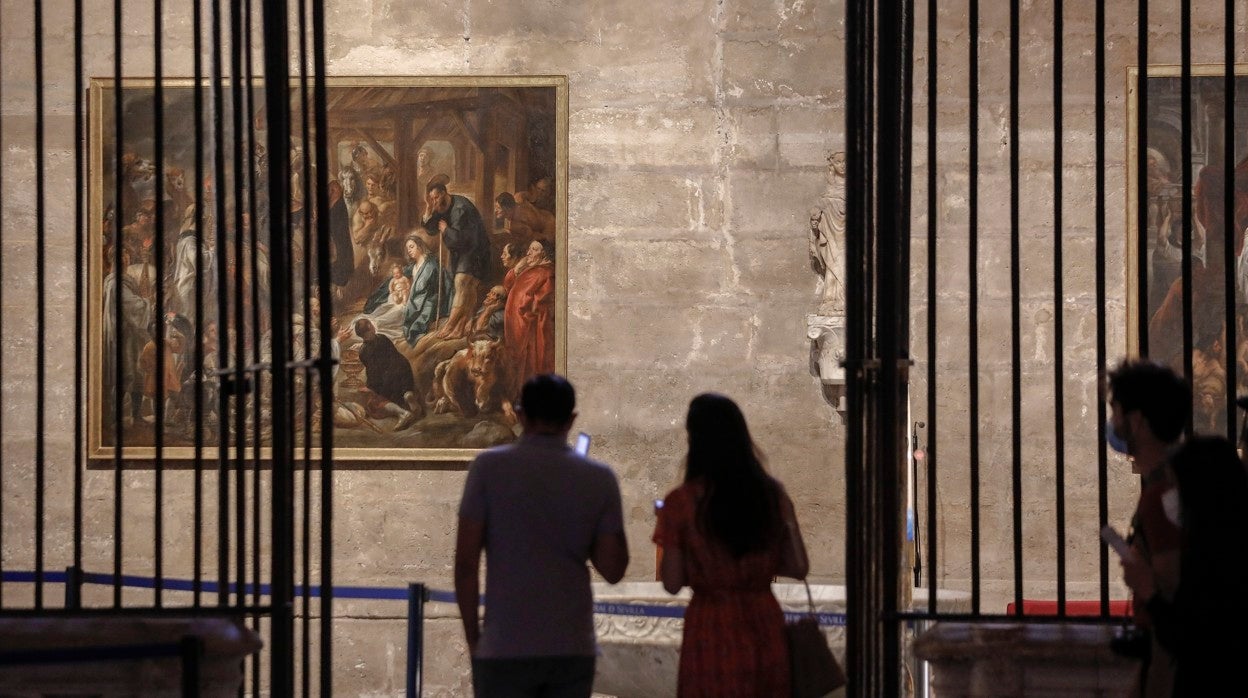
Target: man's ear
(567,426)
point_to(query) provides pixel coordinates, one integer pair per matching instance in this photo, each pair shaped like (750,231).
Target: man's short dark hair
(506,200)
(1157,392)
(436,184)
(548,397)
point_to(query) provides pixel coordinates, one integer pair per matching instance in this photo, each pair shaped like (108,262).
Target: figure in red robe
(529,317)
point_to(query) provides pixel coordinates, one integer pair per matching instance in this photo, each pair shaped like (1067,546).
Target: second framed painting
(1154,254)
(448,262)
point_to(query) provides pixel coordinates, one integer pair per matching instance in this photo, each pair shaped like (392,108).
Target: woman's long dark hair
(741,507)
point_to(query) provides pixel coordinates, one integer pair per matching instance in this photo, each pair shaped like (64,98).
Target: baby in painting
(400,285)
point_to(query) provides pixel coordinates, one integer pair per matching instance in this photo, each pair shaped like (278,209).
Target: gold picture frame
(1164,226)
(483,137)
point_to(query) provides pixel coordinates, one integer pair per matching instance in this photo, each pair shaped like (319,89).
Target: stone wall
(1077,305)
(698,138)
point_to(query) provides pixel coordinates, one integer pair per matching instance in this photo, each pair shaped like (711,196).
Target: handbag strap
(810,599)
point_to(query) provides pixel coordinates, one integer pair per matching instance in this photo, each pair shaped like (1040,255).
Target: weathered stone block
(768,203)
(809,134)
(422,54)
(661,139)
(664,204)
(800,70)
(786,18)
(752,139)
(620,269)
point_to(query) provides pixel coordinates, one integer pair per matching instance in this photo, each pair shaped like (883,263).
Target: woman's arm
(793,560)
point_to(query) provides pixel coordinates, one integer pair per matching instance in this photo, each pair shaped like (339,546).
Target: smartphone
(1116,541)
(582,445)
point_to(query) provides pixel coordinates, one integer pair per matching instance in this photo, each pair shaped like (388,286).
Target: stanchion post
(192,652)
(416,595)
(73,587)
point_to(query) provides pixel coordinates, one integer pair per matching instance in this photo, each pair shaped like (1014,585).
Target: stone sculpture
(827,239)
(826,328)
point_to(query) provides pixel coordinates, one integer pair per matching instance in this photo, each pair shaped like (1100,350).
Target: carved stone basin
(639,654)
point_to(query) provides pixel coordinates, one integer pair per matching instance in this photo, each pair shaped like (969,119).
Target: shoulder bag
(813,670)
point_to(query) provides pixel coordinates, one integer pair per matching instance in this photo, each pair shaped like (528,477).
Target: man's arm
(672,569)
(450,228)
(469,542)
(610,555)
(1142,578)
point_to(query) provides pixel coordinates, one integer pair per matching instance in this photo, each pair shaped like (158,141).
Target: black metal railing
(173,367)
(1030,279)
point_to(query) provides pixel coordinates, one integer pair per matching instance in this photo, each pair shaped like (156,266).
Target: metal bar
(1230,226)
(80,286)
(240,329)
(415,639)
(119,268)
(2,246)
(1141,168)
(932,265)
(200,326)
(223,310)
(325,375)
(1102,470)
(896,65)
(1059,386)
(1016,407)
(41,263)
(874,538)
(1185,118)
(87,654)
(870,541)
(192,653)
(162,348)
(973,300)
(869,286)
(252,241)
(305,540)
(73,587)
(1011,618)
(857,134)
(128,612)
(277,112)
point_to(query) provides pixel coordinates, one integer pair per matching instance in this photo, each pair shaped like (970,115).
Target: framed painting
(448,263)
(1159,294)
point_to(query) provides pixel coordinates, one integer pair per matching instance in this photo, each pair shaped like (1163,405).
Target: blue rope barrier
(29,577)
(376,594)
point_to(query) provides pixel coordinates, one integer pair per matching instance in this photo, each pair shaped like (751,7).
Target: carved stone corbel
(827,354)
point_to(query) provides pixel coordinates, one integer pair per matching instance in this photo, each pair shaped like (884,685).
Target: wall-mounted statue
(826,327)
(827,239)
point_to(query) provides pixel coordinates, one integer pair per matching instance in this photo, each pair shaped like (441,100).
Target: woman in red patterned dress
(727,532)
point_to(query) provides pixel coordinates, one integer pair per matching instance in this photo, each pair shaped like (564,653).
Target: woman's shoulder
(684,493)
(782,494)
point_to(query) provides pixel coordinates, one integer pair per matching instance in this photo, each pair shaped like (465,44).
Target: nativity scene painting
(447,265)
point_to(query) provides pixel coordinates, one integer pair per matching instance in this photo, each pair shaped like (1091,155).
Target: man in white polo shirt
(541,513)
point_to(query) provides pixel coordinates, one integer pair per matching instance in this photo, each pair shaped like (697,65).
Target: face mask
(1112,438)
